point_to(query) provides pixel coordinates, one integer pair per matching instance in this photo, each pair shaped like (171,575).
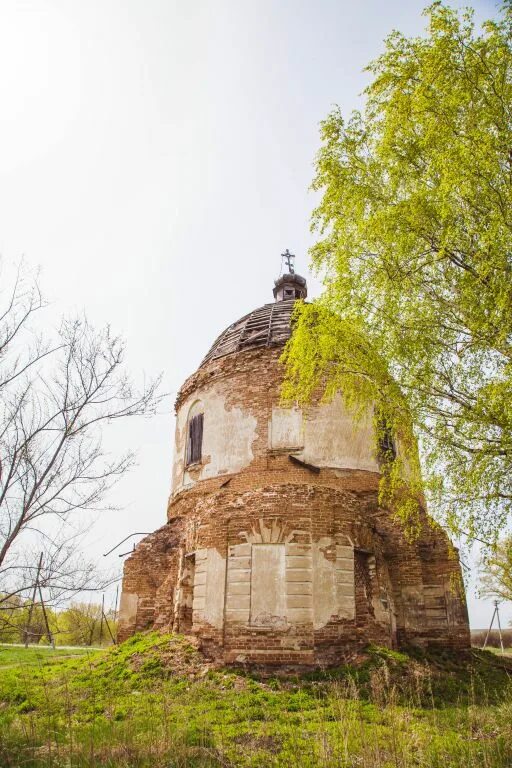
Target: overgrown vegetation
(414,243)
(154,701)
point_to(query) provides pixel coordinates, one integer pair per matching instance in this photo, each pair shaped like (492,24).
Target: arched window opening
(195,439)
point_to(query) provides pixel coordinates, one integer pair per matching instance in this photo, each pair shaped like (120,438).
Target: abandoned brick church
(275,549)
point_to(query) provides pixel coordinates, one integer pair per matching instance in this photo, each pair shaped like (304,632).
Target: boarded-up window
(195,439)
(268,584)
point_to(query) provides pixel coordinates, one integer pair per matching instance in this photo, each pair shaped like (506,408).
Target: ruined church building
(275,550)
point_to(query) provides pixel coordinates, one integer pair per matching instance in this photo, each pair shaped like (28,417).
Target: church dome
(267,326)
(276,550)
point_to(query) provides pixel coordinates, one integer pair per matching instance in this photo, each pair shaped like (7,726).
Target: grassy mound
(154,701)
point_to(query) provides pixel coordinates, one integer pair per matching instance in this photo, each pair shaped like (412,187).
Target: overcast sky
(155,159)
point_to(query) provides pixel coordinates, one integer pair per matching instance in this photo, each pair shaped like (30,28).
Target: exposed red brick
(408,592)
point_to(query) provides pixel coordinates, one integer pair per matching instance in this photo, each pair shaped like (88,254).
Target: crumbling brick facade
(276,551)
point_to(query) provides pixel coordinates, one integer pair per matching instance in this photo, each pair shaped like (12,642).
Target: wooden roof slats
(267,326)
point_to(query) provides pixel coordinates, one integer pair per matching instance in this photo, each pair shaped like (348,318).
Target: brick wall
(347,573)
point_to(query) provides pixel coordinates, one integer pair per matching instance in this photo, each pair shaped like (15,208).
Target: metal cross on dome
(289,259)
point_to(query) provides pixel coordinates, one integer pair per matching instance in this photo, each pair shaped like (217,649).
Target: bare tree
(57,394)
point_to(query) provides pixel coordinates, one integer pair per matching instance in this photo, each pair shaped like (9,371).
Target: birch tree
(414,231)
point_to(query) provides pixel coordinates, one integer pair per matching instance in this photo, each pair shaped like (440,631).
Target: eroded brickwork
(271,561)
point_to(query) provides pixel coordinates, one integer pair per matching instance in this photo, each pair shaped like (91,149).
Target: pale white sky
(155,158)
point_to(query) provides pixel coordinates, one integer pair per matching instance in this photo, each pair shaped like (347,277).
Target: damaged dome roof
(268,326)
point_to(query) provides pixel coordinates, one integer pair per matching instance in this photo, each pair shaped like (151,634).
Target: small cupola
(289,285)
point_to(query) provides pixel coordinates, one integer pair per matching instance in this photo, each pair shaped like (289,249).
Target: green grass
(506,651)
(153,701)
(36,655)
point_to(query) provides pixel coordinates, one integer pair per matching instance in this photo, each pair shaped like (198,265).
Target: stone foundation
(303,583)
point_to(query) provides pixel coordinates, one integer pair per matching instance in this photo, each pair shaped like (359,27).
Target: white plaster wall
(327,435)
(299,579)
(228,435)
(238,597)
(209,587)
(268,593)
(128,608)
(333,582)
(334,438)
(314,588)
(286,428)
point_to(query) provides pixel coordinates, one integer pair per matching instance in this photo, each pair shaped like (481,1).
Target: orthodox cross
(289,259)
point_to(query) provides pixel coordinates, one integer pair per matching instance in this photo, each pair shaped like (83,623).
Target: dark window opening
(363,587)
(195,439)
(387,447)
(288,293)
(297,294)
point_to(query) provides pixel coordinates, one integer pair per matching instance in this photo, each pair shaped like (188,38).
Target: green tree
(19,623)
(496,571)
(415,244)
(81,624)
(11,619)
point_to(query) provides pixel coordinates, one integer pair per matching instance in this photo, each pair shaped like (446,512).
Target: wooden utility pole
(102,614)
(48,630)
(31,606)
(115,610)
(109,630)
(496,614)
